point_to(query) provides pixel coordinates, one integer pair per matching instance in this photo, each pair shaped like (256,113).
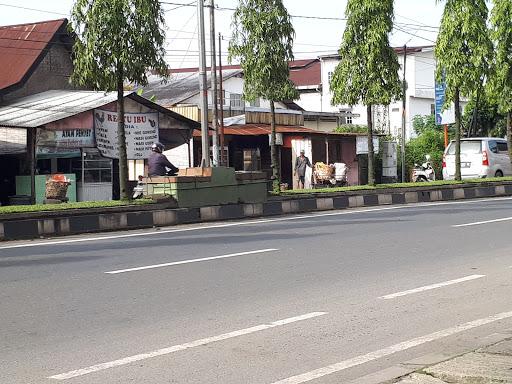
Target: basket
(56,190)
(323,171)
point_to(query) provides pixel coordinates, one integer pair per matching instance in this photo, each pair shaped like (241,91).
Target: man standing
(301,163)
(158,162)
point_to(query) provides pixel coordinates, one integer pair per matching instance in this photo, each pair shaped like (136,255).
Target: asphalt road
(320,298)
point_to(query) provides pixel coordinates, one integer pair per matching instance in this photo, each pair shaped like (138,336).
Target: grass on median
(66,206)
(436,183)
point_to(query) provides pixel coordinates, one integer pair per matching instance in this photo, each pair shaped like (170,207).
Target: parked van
(479,157)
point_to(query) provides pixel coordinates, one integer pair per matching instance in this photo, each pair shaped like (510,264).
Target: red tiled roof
(302,72)
(22,47)
(308,74)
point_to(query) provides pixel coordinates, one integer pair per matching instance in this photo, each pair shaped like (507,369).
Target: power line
(33,9)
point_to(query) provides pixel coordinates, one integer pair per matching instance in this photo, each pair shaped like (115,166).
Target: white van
(479,157)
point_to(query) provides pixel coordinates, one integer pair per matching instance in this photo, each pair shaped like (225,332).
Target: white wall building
(420,98)
(311,77)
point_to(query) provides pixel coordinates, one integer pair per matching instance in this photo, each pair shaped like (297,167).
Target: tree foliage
(113,35)
(368,69)
(262,40)
(483,118)
(500,85)
(117,41)
(463,50)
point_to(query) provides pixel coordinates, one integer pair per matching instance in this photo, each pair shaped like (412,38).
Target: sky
(317,25)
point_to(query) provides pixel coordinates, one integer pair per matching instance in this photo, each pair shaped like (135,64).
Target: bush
(429,142)
(351,128)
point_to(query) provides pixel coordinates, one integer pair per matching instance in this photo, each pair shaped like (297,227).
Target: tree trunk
(457,134)
(276,174)
(509,134)
(371,167)
(121,137)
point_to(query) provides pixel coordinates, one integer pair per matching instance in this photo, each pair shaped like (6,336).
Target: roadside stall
(74,133)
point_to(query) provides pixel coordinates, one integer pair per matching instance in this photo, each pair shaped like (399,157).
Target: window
(96,169)
(493,146)
(235,100)
(255,103)
(469,147)
(349,120)
(329,77)
(432,109)
(502,147)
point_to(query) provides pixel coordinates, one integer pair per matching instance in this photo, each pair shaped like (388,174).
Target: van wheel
(498,174)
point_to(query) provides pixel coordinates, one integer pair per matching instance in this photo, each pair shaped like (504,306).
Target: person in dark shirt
(301,163)
(158,162)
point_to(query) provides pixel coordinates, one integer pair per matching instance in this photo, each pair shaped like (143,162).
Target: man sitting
(158,162)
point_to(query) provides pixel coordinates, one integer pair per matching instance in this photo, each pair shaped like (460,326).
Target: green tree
(483,118)
(421,123)
(501,79)
(262,41)
(463,49)
(117,41)
(368,68)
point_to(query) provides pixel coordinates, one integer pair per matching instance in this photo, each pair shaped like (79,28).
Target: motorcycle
(424,172)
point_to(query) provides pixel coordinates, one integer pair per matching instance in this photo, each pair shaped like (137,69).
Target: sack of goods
(323,170)
(57,187)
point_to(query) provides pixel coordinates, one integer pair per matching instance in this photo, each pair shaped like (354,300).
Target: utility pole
(224,161)
(213,71)
(404,105)
(203,88)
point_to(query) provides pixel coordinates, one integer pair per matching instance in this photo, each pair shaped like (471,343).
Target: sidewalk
(488,365)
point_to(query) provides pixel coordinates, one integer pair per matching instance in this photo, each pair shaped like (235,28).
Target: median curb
(44,224)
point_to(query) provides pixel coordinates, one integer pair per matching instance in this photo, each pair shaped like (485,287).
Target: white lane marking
(432,286)
(182,347)
(191,261)
(251,222)
(483,222)
(363,359)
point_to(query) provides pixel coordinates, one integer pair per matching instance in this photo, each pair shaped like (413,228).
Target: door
(503,158)
(287,166)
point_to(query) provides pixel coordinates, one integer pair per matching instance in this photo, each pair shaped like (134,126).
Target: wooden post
(446,135)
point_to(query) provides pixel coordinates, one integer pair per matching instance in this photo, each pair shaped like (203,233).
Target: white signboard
(362,145)
(69,138)
(279,138)
(141,133)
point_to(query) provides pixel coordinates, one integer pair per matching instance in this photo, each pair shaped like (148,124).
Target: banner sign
(69,138)
(443,116)
(141,133)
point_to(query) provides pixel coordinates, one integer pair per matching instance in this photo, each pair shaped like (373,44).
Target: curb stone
(73,222)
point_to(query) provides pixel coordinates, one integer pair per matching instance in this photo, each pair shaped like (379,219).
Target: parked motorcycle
(424,172)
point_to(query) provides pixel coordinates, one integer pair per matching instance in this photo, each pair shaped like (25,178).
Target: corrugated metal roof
(179,87)
(264,129)
(21,47)
(47,107)
(261,129)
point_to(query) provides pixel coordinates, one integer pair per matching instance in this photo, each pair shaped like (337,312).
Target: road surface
(322,298)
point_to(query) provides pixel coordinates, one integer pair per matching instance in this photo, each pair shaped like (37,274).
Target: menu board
(141,133)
